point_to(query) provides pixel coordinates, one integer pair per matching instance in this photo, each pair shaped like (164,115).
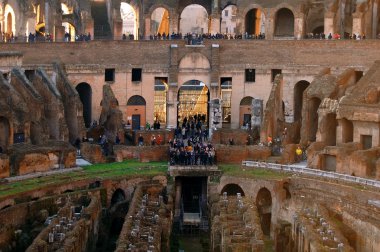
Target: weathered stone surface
(222,136)
(92,153)
(233,154)
(4,166)
(141,153)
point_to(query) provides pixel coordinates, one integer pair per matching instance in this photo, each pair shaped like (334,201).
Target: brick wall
(232,154)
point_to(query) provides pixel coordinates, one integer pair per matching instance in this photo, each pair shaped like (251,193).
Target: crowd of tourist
(336,36)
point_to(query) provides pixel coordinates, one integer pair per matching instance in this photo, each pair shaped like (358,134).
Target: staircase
(102,29)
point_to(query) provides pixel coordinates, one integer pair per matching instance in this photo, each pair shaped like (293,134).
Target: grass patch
(99,171)
(250,172)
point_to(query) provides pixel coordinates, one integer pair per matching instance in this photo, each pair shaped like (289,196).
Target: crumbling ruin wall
(71,102)
(141,153)
(234,154)
(274,118)
(79,229)
(222,136)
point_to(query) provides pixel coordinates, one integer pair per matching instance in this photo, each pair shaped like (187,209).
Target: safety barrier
(313,172)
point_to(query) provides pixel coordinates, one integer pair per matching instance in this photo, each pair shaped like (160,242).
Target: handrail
(313,172)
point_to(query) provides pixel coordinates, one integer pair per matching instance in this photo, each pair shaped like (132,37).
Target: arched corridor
(193,98)
(232,190)
(245,111)
(85,94)
(160,21)
(254,22)
(194,19)
(130,23)
(228,20)
(117,196)
(9,21)
(299,89)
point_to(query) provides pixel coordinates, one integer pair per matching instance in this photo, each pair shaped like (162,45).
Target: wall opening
(347,131)
(264,206)
(245,114)
(284,23)
(129,17)
(299,89)
(226,93)
(313,118)
(160,21)
(4,133)
(254,22)
(330,129)
(194,19)
(136,112)
(232,190)
(117,196)
(329,163)
(160,96)
(366,141)
(193,98)
(228,20)
(85,94)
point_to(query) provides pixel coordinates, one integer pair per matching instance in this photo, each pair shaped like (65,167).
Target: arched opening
(254,22)
(160,21)
(284,23)
(193,98)
(10,21)
(160,94)
(4,133)
(347,131)
(246,111)
(329,129)
(228,24)
(299,89)
(85,94)
(318,30)
(264,206)
(313,116)
(70,31)
(347,20)
(129,17)
(136,112)
(232,190)
(194,19)
(226,93)
(287,191)
(117,196)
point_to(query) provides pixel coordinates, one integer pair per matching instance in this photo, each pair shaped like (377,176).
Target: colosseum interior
(196,126)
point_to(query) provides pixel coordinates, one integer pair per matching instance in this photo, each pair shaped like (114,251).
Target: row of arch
(193,99)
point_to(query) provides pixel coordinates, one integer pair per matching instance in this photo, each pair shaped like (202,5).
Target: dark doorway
(253,22)
(136,122)
(330,163)
(85,94)
(232,190)
(313,118)
(299,90)
(264,206)
(284,26)
(117,196)
(366,140)
(4,133)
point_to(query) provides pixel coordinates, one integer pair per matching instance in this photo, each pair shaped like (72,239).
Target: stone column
(299,26)
(374,19)
(215,23)
(59,33)
(117,29)
(174,23)
(147,27)
(357,23)
(329,23)
(178,194)
(339,132)
(342,18)
(269,24)
(173,88)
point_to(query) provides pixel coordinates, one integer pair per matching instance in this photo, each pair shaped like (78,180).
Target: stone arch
(202,3)
(136,111)
(313,118)
(129,13)
(347,130)
(193,100)
(85,94)
(117,196)
(5,133)
(164,25)
(284,23)
(264,206)
(254,20)
(245,111)
(228,24)
(232,190)
(298,92)
(10,20)
(194,60)
(194,14)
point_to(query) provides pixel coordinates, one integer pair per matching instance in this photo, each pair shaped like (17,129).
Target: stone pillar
(59,33)
(239,25)
(339,132)
(299,27)
(215,24)
(342,18)
(174,23)
(269,24)
(147,27)
(117,29)
(357,23)
(172,102)
(375,18)
(178,194)
(329,23)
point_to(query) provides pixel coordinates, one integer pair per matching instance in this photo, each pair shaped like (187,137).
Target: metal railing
(313,172)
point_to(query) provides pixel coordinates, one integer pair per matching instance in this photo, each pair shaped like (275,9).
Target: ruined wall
(234,154)
(141,153)
(222,136)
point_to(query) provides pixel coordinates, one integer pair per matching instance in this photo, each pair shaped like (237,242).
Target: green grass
(125,169)
(251,172)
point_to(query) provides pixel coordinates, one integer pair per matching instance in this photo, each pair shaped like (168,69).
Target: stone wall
(233,154)
(147,134)
(92,153)
(4,166)
(141,153)
(222,136)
